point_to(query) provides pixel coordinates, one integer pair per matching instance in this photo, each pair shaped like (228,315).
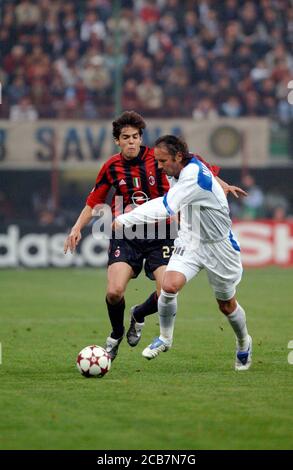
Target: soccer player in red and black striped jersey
(135,175)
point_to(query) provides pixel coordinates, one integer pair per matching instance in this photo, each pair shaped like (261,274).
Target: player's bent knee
(115,295)
(227,306)
(223,308)
(170,288)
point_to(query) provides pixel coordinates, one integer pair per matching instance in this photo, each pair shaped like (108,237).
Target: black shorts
(156,253)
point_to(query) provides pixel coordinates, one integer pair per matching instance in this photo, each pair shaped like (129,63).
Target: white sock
(237,320)
(167,307)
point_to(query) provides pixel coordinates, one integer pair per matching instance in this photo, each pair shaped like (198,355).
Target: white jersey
(204,210)
(203,206)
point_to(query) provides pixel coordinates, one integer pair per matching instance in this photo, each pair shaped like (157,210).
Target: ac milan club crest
(152,180)
(117,253)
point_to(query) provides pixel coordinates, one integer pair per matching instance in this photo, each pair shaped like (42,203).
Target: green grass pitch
(189,398)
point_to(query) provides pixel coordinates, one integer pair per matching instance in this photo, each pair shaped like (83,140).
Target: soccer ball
(93,361)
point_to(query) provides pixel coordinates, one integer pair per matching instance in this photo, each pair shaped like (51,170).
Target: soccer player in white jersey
(205,241)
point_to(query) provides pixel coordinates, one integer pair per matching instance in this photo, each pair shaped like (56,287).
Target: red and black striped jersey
(135,181)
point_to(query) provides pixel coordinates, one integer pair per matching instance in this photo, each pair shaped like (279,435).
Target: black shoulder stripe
(159,179)
(113,173)
(143,178)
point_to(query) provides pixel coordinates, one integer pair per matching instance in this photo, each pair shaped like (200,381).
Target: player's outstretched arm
(147,213)
(74,237)
(227,188)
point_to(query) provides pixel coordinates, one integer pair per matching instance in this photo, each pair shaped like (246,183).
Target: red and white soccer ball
(93,361)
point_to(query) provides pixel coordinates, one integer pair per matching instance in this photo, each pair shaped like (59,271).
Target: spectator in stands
(17,90)
(205,109)
(27,15)
(23,111)
(232,107)
(129,95)
(253,204)
(150,97)
(276,205)
(92,26)
(43,206)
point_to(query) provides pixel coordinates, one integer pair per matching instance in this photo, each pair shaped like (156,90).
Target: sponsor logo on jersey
(139,197)
(122,182)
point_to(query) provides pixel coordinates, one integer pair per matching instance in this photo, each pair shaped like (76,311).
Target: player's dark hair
(128,118)
(174,145)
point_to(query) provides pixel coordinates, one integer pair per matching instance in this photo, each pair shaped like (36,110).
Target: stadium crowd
(199,58)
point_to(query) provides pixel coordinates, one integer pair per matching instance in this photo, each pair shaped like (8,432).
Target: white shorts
(221,260)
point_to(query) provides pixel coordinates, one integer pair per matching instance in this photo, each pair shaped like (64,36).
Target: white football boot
(155,348)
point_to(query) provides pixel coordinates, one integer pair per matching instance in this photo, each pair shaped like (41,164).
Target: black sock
(116,316)
(147,308)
